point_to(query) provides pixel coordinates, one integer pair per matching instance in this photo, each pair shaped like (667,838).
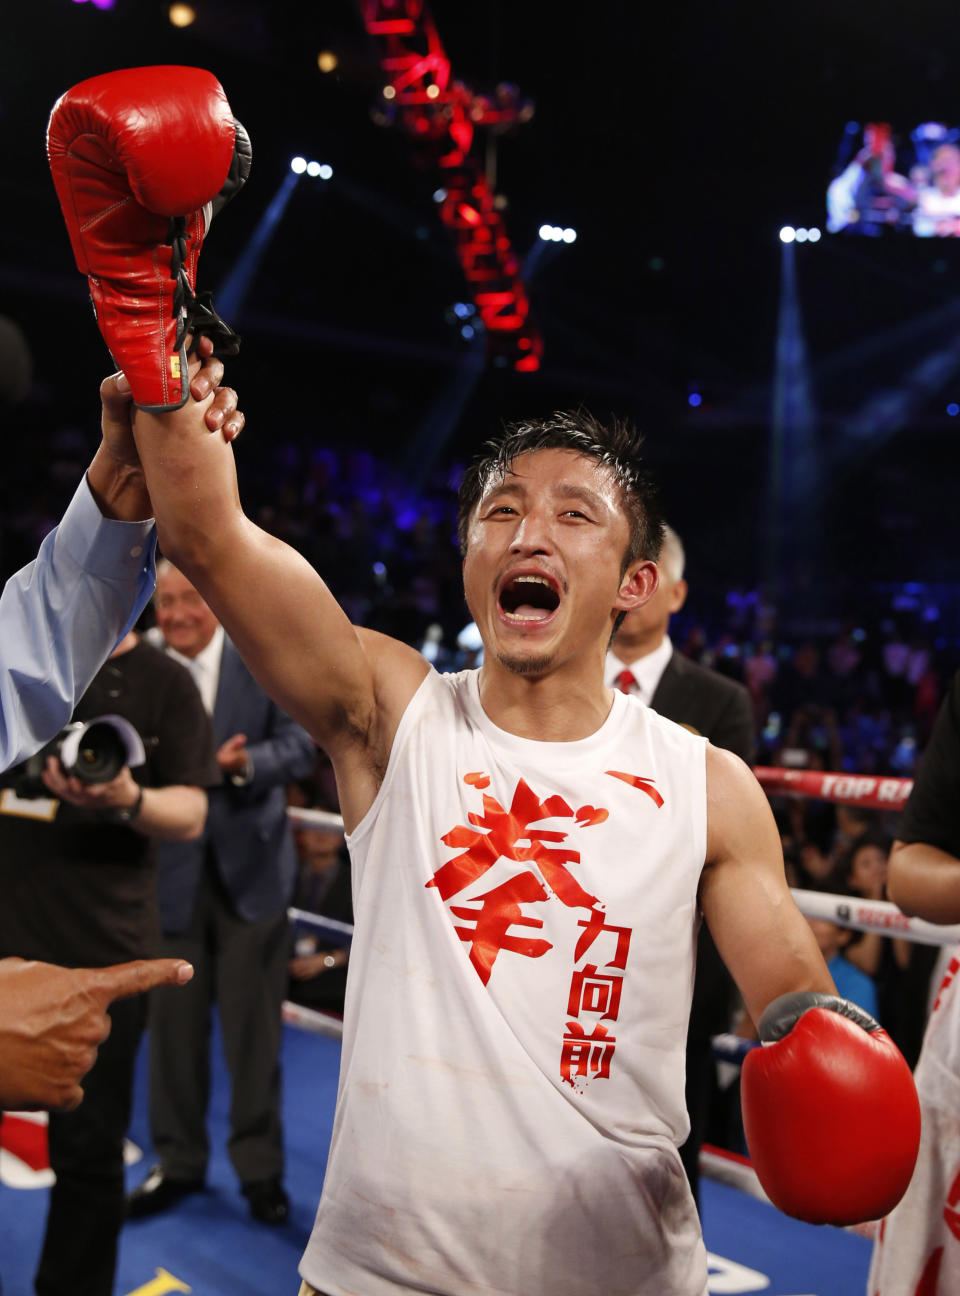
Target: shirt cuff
(245,776)
(103,546)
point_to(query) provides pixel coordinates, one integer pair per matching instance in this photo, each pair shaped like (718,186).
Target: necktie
(625,679)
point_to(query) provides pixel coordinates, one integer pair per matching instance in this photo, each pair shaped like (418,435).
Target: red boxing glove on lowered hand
(830,1111)
(141,158)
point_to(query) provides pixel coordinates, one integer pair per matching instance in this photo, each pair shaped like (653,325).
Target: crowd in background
(858,695)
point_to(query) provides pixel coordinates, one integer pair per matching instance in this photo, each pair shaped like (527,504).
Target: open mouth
(529,598)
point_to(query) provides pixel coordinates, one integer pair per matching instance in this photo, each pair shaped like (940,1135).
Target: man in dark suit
(642,661)
(224,898)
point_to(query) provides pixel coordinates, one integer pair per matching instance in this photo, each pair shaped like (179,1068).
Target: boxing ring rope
(870,791)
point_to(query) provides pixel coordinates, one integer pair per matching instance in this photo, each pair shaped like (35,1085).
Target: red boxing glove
(141,159)
(830,1111)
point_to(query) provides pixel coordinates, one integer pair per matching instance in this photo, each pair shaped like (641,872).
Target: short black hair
(615,444)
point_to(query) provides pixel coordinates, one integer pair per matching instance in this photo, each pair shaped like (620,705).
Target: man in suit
(224,898)
(641,660)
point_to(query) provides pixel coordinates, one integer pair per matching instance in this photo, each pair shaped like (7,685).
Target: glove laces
(194,312)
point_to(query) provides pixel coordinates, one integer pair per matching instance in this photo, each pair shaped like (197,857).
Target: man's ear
(678,596)
(637,585)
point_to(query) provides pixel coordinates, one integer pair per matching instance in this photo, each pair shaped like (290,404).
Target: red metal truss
(439,114)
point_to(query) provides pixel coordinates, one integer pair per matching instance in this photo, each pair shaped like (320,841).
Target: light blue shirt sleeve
(62,614)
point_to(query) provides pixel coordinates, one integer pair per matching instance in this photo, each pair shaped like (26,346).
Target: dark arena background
(623,206)
(795,397)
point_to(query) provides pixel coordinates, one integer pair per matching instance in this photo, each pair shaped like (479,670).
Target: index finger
(125,979)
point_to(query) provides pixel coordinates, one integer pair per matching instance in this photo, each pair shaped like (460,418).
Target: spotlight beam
(234,289)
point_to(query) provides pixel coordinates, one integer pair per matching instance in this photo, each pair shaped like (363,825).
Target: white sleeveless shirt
(512,1076)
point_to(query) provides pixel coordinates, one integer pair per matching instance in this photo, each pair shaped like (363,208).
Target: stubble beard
(526,665)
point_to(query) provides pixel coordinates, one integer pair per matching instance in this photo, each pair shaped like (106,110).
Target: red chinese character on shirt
(500,910)
(505,835)
(508,834)
(595,992)
(594,927)
(584,1055)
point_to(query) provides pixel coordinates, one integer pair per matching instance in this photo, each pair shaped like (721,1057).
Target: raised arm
(348,687)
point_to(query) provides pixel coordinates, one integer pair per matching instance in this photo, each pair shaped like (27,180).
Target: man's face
(945,169)
(545,548)
(868,870)
(184,620)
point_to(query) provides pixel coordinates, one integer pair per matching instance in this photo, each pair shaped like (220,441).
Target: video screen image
(890,180)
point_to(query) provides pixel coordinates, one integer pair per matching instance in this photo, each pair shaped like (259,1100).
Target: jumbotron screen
(887,179)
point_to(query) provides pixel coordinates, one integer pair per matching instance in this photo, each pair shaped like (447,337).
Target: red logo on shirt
(497,922)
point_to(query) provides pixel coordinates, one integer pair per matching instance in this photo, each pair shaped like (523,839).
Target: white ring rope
(322,819)
(878,916)
(872,916)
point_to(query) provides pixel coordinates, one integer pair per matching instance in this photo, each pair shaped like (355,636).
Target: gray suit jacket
(247,830)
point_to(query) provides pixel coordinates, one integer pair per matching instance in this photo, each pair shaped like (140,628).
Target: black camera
(94,751)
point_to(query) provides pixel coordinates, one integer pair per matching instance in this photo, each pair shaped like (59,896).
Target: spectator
(759,674)
(851,983)
(225,899)
(938,203)
(900,969)
(318,968)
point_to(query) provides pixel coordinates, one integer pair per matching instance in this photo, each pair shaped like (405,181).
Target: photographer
(79,888)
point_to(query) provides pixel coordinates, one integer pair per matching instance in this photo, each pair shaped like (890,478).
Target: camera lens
(101,755)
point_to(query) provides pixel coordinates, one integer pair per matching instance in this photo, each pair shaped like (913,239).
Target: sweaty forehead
(558,471)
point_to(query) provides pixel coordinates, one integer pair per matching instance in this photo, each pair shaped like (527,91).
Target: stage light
(433,92)
(326,60)
(801,236)
(439,195)
(298,165)
(389,92)
(569,236)
(787,234)
(813,235)
(695,399)
(467,331)
(462,310)
(182,15)
(325,171)
(313,168)
(953,409)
